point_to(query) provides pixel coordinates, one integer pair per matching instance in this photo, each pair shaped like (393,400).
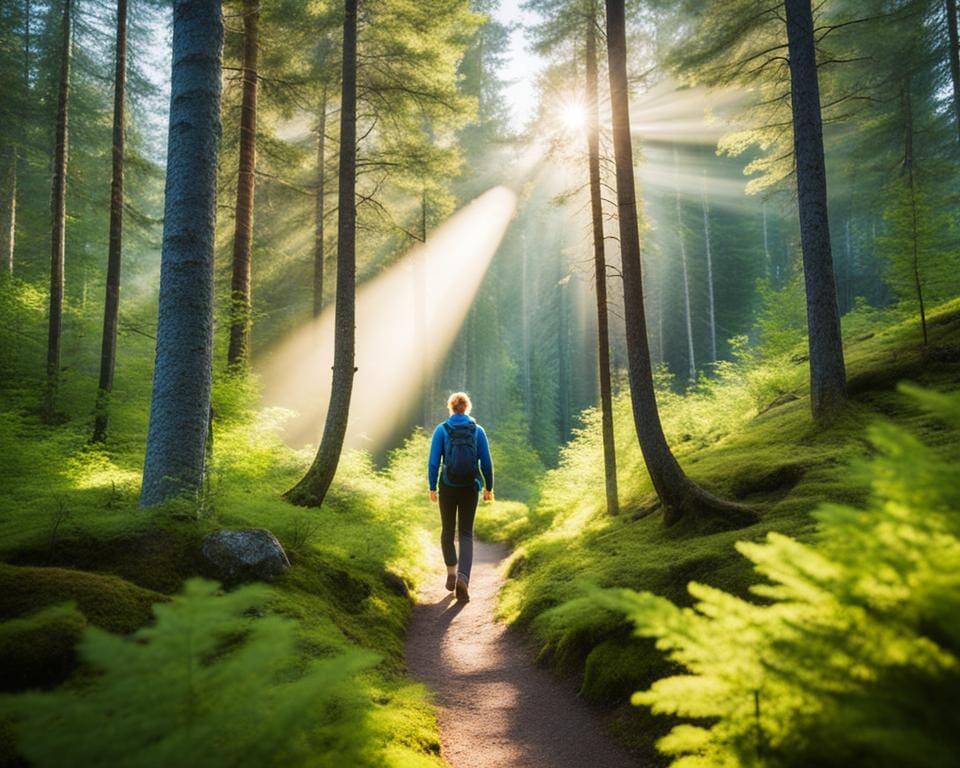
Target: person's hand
(488,495)
(433,496)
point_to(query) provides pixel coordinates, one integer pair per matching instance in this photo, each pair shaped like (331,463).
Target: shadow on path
(495,708)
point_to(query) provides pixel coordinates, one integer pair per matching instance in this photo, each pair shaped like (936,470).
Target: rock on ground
(250,554)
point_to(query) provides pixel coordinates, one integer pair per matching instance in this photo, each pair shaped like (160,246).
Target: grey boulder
(250,554)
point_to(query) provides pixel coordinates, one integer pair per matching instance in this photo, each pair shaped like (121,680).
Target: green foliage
(851,654)
(205,679)
(778,462)
(781,318)
(919,246)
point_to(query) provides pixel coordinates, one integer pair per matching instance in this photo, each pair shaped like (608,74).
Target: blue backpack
(460,454)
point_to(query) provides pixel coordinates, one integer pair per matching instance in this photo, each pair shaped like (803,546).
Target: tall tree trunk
(768,259)
(238,352)
(429,386)
(526,378)
(906,101)
(312,489)
(8,225)
(951,10)
(111,307)
(827,372)
(563,366)
(320,206)
(26,44)
(8,235)
(600,270)
(681,237)
(180,404)
(679,495)
(58,212)
(711,302)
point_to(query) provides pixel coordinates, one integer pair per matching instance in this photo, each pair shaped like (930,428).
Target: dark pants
(458,507)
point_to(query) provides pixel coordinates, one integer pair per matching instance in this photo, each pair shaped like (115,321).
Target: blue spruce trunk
(180,405)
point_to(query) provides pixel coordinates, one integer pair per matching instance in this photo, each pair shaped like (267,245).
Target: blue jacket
(439,445)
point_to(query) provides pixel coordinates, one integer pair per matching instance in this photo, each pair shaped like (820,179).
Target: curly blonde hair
(459,402)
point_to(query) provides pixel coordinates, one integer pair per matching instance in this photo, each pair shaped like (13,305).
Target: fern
(853,655)
(206,684)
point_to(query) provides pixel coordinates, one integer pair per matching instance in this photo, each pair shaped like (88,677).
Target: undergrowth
(746,434)
(79,559)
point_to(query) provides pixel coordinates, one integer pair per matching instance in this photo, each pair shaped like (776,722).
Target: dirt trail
(496,709)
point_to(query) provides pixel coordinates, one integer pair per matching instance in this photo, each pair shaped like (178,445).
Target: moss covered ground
(747,435)
(76,551)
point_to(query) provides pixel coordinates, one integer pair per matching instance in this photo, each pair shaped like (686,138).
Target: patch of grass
(776,461)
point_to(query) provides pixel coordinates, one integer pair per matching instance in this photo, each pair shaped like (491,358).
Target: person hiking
(460,446)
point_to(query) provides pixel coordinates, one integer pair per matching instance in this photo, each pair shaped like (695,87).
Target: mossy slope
(777,461)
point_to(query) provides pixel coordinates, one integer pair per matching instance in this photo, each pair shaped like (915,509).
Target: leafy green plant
(210,682)
(851,655)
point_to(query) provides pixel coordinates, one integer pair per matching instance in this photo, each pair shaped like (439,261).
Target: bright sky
(521,66)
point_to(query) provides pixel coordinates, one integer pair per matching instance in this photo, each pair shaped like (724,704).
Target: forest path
(496,709)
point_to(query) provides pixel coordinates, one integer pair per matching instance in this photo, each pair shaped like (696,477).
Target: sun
(573,114)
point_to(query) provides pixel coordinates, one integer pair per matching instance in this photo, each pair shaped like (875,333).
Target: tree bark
(180,404)
(526,376)
(827,372)
(600,271)
(906,101)
(951,11)
(58,199)
(238,352)
(711,302)
(8,226)
(681,237)
(320,206)
(111,307)
(312,489)
(679,495)
(768,259)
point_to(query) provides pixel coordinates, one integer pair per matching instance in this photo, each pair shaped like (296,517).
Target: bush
(853,655)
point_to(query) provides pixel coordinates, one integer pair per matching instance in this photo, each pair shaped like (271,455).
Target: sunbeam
(407,318)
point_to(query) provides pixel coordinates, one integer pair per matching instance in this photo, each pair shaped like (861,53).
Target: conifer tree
(180,401)
(827,370)
(111,308)
(600,262)
(312,489)
(58,214)
(239,348)
(953,54)
(679,495)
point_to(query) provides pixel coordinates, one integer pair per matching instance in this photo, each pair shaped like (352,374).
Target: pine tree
(180,402)
(240,305)
(679,495)
(58,215)
(827,370)
(111,308)
(312,489)
(600,263)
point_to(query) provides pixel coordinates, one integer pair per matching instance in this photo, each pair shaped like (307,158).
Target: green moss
(617,667)
(106,601)
(39,650)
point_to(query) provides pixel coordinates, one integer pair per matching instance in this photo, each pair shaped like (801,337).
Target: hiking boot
(462,595)
(451,581)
